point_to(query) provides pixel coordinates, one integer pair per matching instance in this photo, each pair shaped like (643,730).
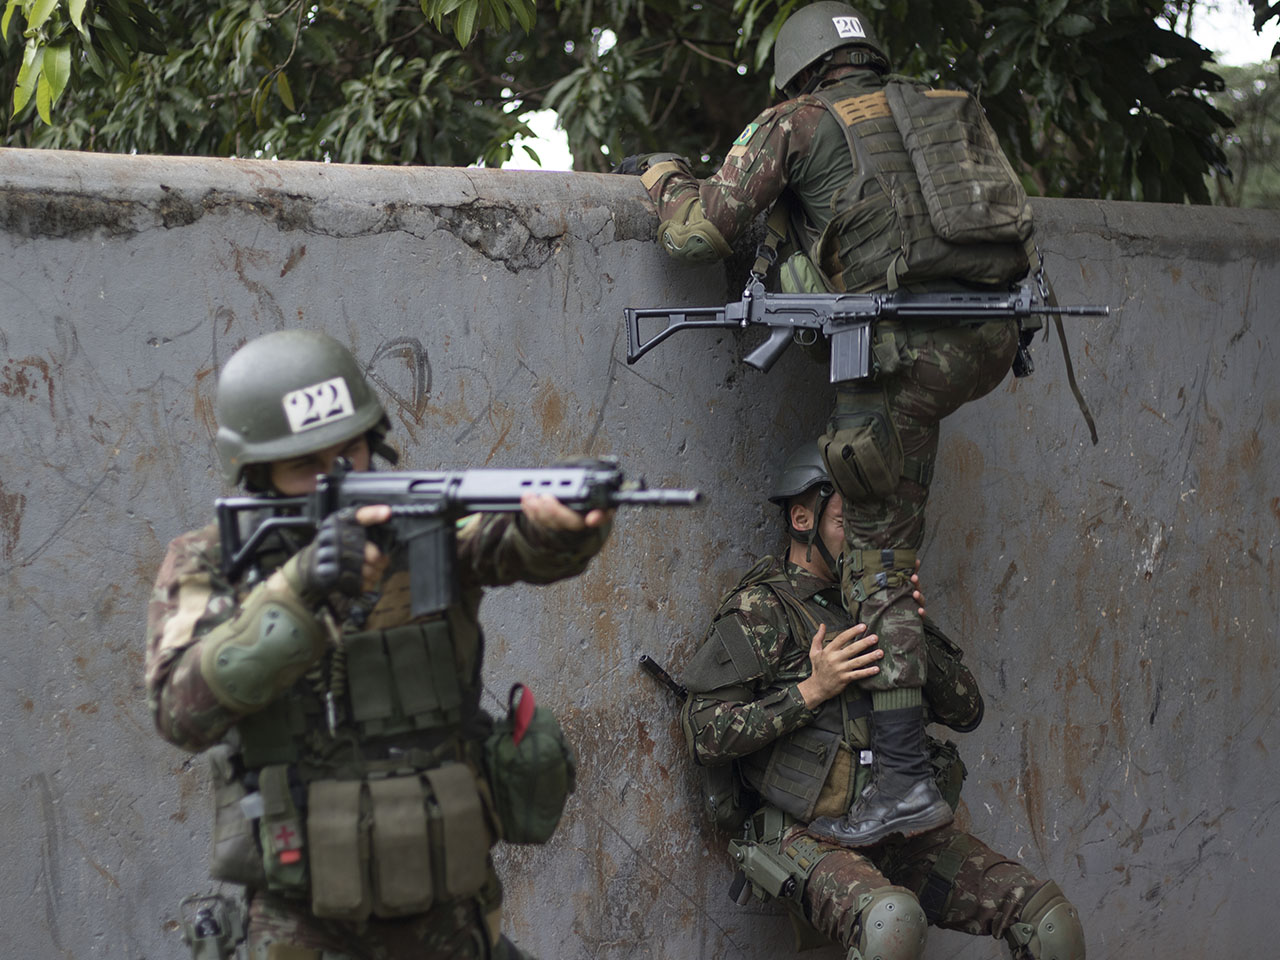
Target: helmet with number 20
(287,394)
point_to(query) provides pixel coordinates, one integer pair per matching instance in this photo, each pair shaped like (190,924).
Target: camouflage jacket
(190,598)
(794,146)
(748,714)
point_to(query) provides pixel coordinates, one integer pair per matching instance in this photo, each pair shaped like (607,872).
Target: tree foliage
(1100,98)
(1252,146)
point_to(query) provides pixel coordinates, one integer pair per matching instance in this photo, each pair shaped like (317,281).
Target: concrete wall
(1118,601)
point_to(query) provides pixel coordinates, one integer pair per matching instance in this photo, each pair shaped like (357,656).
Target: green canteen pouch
(531,770)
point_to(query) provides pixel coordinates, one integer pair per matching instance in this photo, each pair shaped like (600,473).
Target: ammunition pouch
(387,846)
(862,450)
(531,772)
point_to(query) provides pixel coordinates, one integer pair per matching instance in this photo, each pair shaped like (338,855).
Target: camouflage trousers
(937,371)
(282,929)
(986,895)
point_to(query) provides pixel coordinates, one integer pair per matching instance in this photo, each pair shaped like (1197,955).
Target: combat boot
(902,797)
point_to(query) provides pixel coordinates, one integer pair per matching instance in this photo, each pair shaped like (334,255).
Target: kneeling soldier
(781,729)
(348,742)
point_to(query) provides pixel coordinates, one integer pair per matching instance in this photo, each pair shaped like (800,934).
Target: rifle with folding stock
(847,319)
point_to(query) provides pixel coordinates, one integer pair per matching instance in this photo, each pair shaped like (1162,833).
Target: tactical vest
(886,230)
(816,766)
(361,788)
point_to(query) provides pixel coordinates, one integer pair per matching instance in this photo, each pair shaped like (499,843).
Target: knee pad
(1047,929)
(250,660)
(863,452)
(891,926)
(690,236)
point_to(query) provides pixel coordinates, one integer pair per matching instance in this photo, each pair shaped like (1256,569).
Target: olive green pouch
(459,830)
(531,769)
(949,771)
(233,848)
(402,881)
(863,452)
(339,847)
(280,834)
(799,274)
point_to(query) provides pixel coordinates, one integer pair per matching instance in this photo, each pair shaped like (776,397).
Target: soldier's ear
(801,516)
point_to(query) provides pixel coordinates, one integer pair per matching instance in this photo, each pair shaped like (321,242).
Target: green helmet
(813,32)
(288,394)
(801,472)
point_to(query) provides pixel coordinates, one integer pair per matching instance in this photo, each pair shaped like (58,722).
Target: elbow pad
(250,660)
(691,237)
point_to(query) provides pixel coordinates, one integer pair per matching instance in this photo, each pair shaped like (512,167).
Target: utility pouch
(799,274)
(798,768)
(726,800)
(971,191)
(862,451)
(531,770)
(459,831)
(949,771)
(280,832)
(951,690)
(339,848)
(233,849)
(402,881)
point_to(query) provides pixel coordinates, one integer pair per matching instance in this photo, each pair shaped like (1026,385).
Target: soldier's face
(297,476)
(831,525)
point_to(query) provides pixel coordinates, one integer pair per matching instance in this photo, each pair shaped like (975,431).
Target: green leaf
(282,85)
(44,100)
(465,24)
(57,69)
(11,6)
(40,13)
(1074,25)
(526,14)
(76,8)
(28,75)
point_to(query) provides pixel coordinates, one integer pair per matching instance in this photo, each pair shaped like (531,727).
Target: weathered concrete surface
(1118,602)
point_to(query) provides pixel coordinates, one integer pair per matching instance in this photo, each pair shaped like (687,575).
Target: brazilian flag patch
(745,136)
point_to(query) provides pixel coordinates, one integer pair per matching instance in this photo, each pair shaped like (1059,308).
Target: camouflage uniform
(927,371)
(977,890)
(191,598)
(796,149)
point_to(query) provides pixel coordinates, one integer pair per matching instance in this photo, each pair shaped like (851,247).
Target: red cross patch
(286,836)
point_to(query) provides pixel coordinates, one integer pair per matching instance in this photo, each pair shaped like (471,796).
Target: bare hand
(545,511)
(916,595)
(375,562)
(837,664)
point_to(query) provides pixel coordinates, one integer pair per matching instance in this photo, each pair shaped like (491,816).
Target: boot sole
(931,818)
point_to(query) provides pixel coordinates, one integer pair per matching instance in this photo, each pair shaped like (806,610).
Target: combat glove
(334,561)
(638,163)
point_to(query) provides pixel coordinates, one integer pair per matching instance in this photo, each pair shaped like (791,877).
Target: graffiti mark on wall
(410,394)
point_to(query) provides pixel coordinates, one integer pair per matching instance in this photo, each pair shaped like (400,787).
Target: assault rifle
(846,318)
(425,508)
